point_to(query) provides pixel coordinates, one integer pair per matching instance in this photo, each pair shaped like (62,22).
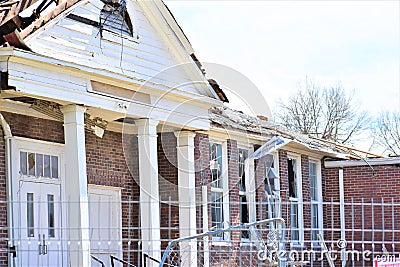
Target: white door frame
(37,146)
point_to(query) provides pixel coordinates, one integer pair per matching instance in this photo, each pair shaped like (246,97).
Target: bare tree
(387,132)
(323,112)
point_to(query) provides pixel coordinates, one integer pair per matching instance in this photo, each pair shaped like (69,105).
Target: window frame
(271,197)
(318,201)
(298,200)
(224,191)
(35,175)
(248,187)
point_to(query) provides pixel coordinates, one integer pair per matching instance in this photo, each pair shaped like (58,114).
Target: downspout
(342,221)
(10,218)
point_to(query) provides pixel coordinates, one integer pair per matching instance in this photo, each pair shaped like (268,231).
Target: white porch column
(149,191)
(76,185)
(187,196)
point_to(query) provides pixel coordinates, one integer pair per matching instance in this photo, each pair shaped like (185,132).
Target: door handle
(42,245)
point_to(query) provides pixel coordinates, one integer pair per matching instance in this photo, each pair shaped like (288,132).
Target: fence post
(342,213)
(206,253)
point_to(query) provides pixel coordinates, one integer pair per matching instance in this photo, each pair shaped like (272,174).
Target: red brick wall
(233,179)
(363,185)
(284,187)
(35,128)
(106,165)
(305,173)
(168,186)
(202,176)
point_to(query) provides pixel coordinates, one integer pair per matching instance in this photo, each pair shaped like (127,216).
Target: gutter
(355,163)
(10,218)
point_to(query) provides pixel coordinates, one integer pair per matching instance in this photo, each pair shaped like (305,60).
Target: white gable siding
(142,59)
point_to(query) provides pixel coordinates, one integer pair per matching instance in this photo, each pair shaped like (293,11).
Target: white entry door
(40,233)
(105,223)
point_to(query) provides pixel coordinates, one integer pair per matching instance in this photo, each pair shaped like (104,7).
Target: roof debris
(225,117)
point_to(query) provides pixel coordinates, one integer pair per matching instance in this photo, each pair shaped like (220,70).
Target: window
(217,191)
(295,196)
(244,205)
(50,215)
(271,186)
(114,18)
(316,200)
(38,165)
(29,215)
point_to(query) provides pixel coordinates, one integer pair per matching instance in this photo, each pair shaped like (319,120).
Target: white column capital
(147,127)
(185,138)
(146,122)
(72,108)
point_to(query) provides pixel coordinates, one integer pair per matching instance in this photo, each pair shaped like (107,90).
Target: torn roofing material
(9,21)
(215,86)
(224,117)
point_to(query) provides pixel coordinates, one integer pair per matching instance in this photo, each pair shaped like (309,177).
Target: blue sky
(276,44)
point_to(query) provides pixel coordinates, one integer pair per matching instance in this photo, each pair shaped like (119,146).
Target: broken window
(244,210)
(217,192)
(216,164)
(271,186)
(114,18)
(292,178)
(38,165)
(316,200)
(294,197)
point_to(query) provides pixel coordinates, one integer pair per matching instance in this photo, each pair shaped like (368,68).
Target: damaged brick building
(114,142)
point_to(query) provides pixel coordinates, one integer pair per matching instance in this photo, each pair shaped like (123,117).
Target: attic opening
(115,18)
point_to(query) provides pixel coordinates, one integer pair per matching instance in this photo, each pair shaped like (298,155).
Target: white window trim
(250,188)
(319,198)
(299,199)
(225,192)
(278,181)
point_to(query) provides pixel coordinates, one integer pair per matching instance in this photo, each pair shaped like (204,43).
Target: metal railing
(369,229)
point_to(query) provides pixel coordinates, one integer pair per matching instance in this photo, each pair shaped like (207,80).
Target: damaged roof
(14,28)
(224,117)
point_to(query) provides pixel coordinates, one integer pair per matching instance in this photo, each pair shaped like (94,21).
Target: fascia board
(135,109)
(356,163)
(32,59)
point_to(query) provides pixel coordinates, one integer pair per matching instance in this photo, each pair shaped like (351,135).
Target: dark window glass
(23,157)
(29,215)
(243,154)
(50,214)
(31,164)
(39,165)
(244,215)
(54,167)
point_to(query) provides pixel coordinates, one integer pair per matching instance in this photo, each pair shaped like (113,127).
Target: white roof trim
(355,163)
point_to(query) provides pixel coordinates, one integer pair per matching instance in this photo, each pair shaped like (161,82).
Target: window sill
(246,243)
(221,243)
(298,245)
